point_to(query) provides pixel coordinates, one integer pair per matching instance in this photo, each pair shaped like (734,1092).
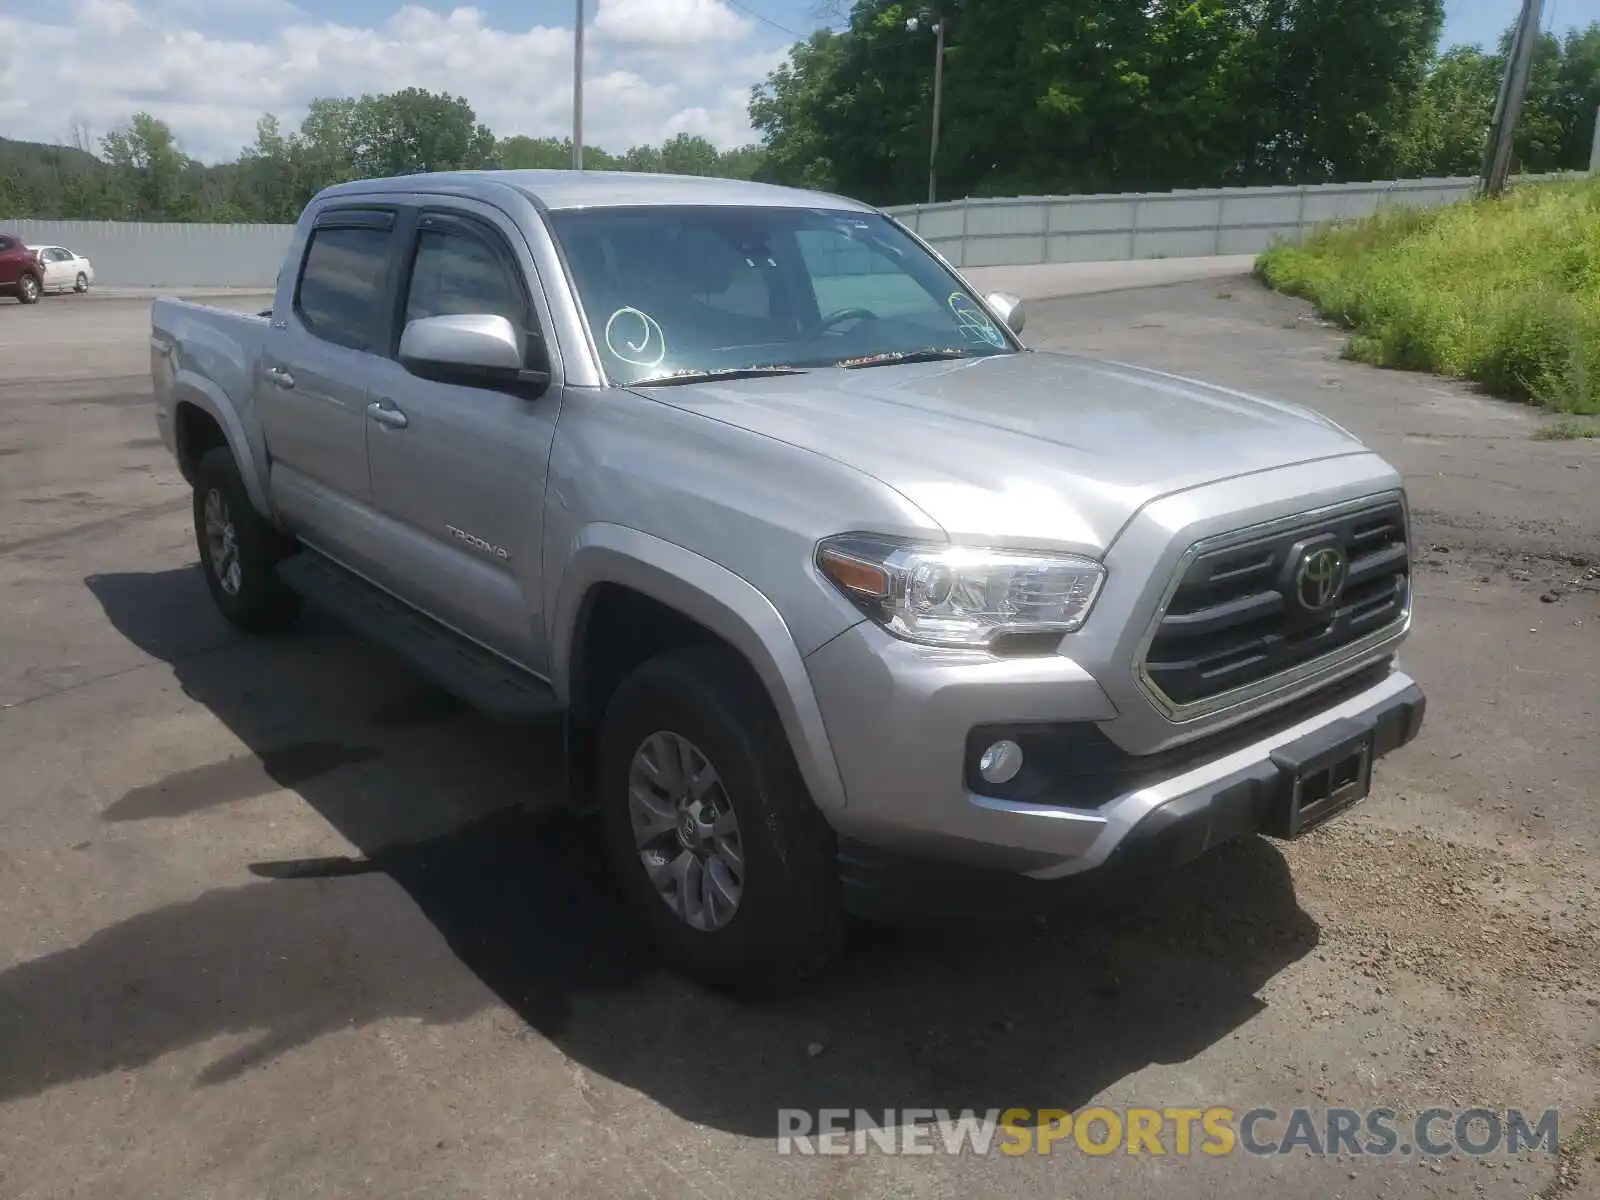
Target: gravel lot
(272,930)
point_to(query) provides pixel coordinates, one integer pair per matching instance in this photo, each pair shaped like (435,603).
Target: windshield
(671,289)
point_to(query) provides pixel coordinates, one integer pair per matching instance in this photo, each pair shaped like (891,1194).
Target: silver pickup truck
(848,600)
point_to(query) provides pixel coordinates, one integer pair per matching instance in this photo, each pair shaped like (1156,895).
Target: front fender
(722,602)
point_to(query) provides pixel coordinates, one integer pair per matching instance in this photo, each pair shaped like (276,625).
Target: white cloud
(671,21)
(653,68)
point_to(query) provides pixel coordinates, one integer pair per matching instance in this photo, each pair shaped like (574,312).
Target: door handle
(387,415)
(280,377)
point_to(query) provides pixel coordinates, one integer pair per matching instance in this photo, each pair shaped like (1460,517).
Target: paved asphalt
(276,925)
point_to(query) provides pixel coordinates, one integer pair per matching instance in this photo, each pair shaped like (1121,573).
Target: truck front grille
(1251,610)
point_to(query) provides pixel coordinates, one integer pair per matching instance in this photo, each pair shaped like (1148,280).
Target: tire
(244,584)
(28,289)
(82,285)
(786,925)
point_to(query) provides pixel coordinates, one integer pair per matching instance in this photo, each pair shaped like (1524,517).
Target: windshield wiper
(697,375)
(929,354)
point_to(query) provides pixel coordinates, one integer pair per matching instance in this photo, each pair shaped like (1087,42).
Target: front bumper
(900,733)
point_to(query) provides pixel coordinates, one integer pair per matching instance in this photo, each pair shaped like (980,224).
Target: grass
(1567,429)
(1575,1147)
(1502,292)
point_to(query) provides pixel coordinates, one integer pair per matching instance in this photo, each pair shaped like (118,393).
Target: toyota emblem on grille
(1319,579)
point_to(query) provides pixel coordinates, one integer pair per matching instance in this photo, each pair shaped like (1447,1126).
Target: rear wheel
(28,289)
(710,828)
(239,551)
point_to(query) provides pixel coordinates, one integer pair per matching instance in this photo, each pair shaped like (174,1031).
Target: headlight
(961,595)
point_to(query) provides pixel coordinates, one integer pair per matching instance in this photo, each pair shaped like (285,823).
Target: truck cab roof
(560,190)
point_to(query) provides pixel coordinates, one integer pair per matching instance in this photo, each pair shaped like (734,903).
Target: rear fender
(190,387)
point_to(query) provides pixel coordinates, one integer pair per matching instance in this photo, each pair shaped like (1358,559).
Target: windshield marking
(973,322)
(645,328)
(756,286)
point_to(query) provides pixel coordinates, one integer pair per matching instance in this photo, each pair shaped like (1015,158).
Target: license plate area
(1327,772)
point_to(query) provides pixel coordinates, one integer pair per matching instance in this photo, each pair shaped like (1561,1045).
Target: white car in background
(65,271)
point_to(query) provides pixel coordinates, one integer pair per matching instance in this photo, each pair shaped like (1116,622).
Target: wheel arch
(197,399)
(710,598)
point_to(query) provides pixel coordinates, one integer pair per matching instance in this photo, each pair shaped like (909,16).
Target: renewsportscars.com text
(1213,1131)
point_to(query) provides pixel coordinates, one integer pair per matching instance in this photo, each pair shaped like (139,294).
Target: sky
(653,68)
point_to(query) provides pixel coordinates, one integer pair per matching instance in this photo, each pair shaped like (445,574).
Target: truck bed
(200,350)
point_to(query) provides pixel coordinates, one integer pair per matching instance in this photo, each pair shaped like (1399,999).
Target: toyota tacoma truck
(848,601)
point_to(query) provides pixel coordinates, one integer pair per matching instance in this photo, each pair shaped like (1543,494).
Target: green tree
(1578,95)
(791,112)
(640,158)
(152,176)
(1538,143)
(268,173)
(1086,95)
(403,132)
(1089,95)
(742,162)
(690,154)
(1323,88)
(1448,127)
(548,154)
(525,153)
(326,147)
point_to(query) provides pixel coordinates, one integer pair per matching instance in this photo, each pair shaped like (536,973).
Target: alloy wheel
(222,543)
(686,831)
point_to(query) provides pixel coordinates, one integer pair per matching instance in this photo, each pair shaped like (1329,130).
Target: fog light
(1000,762)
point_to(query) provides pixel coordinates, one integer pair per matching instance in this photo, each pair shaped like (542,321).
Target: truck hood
(1029,449)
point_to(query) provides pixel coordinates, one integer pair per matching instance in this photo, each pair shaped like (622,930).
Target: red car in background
(21,272)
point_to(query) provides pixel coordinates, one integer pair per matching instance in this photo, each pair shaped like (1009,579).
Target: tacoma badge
(477,543)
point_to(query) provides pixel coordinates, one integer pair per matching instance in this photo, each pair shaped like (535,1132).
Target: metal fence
(166,254)
(969,233)
(1097,228)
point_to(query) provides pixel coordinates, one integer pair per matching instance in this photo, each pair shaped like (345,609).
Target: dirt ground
(274,926)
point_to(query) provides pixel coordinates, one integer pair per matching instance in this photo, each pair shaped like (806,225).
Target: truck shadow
(1033,1014)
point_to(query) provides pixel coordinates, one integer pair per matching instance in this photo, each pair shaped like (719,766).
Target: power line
(748,11)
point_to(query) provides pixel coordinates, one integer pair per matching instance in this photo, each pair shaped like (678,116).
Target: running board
(480,678)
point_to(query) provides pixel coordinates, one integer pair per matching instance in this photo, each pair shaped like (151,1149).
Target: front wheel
(28,289)
(239,550)
(710,828)
(82,285)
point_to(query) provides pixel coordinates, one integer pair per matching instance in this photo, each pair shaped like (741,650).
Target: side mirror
(1009,309)
(475,349)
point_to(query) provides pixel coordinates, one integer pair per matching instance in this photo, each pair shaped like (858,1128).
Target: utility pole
(915,23)
(1508,106)
(938,91)
(577,91)
(1594,146)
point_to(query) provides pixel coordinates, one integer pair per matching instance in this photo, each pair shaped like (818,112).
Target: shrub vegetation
(1503,292)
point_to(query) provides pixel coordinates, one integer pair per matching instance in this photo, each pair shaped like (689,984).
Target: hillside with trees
(1040,96)
(141,172)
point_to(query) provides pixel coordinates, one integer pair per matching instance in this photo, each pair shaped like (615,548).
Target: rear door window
(342,284)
